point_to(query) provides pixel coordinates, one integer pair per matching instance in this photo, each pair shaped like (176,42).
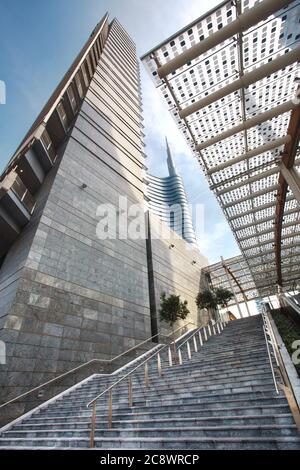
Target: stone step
(282,419)
(213,354)
(192,443)
(198,374)
(223,398)
(193,431)
(197,363)
(212,393)
(218,395)
(235,370)
(189,368)
(184,412)
(230,400)
(162,386)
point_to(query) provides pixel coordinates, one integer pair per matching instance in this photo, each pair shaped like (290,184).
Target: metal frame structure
(230,80)
(234,274)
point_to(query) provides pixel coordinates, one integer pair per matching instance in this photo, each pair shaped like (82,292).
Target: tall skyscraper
(168,200)
(66,295)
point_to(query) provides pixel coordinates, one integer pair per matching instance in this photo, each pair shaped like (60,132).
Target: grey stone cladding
(65,296)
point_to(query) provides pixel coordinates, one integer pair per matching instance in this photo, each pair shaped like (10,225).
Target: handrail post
(209,329)
(269,355)
(200,338)
(129,374)
(195,344)
(93,424)
(269,331)
(146,381)
(110,409)
(130,391)
(218,328)
(170,357)
(189,350)
(205,334)
(179,357)
(159,365)
(214,330)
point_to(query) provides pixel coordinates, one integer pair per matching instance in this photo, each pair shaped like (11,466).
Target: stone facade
(67,297)
(176,269)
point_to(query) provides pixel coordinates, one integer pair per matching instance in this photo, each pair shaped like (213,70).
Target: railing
(29,400)
(75,369)
(212,329)
(284,383)
(270,340)
(158,358)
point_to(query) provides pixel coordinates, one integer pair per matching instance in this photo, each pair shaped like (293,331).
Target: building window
(48,145)
(96,51)
(94,61)
(89,66)
(85,76)
(62,115)
(72,99)
(79,85)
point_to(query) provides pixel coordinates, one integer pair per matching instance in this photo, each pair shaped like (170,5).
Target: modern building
(68,297)
(71,299)
(168,200)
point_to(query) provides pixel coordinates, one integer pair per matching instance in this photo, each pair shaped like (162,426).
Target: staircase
(223,398)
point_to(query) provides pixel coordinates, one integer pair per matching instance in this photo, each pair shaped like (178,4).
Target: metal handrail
(265,330)
(129,376)
(75,369)
(286,385)
(218,322)
(122,378)
(146,341)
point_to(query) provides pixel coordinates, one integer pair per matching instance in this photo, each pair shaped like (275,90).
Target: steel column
(292,178)
(231,286)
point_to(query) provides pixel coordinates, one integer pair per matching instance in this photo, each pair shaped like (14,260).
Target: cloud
(214,240)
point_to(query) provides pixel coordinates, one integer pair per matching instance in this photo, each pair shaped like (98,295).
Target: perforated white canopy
(233,103)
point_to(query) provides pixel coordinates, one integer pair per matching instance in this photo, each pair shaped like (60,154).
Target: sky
(39,39)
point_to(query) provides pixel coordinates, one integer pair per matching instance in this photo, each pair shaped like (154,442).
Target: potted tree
(172,308)
(223,296)
(206,299)
(212,298)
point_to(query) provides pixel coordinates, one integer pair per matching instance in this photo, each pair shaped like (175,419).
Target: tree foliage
(223,296)
(211,298)
(172,308)
(206,299)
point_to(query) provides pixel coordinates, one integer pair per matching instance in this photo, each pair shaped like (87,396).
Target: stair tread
(227,382)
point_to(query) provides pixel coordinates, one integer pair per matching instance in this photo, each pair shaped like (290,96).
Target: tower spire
(170,162)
